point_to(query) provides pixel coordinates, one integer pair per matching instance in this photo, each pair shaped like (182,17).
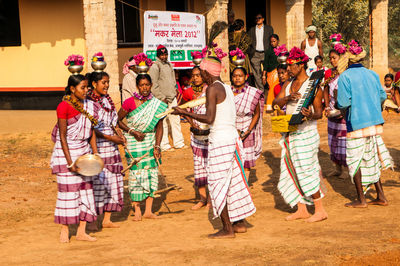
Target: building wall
(50,31)
(278,19)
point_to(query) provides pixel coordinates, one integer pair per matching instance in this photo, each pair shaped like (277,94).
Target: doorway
(253,9)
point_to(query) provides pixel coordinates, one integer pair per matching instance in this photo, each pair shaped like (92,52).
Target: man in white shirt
(259,35)
(312,47)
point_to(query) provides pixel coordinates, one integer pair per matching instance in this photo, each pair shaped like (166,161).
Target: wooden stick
(134,160)
(167,188)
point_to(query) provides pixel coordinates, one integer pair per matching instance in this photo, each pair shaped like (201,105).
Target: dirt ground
(29,236)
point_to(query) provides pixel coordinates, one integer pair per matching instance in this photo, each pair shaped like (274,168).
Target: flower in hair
(237,54)
(281,50)
(74,59)
(335,37)
(141,59)
(296,55)
(196,54)
(340,48)
(354,47)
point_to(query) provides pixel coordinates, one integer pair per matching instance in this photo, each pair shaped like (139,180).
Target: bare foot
(239,227)
(298,215)
(222,234)
(378,202)
(64,238)
(137,217)
(356,204)
(198,206)
(110,225)
(151,216)
(318,217)
(85,237)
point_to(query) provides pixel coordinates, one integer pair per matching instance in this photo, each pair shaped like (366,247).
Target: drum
(89,164)
(202,133)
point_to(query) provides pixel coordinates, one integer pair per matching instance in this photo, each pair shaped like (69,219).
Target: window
(128,23)
(176,5)
(10,32)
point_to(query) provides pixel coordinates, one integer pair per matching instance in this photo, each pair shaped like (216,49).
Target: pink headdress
(296,55)
(212,63)
(127,65)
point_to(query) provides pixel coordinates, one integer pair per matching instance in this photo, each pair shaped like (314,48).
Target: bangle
(70,165)
(129,131)
(157,147)
(98,154)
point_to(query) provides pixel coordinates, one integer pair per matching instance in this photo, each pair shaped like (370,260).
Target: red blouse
(129,104)
(66,111)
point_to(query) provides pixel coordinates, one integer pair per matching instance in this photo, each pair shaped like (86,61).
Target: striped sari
(246,103)
(75,200)
(200,152)
(143,177)
(300,169)
(108,186)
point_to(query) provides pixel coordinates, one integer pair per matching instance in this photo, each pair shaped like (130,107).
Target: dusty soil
(350,236)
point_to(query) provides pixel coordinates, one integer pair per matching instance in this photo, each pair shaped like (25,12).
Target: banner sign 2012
(180,32)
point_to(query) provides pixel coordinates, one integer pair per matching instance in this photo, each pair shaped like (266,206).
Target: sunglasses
(259,18)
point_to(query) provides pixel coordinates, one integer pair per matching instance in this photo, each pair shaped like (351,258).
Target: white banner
(180,32)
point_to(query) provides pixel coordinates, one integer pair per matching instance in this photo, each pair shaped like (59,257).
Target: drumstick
(190,104)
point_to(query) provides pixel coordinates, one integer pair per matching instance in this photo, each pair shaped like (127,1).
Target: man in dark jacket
(259,35)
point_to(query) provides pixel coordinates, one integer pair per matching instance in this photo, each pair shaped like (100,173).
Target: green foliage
(347,17)
(394,28)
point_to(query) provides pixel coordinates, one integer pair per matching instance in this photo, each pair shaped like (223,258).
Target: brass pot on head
(238,62)
(282,58)
(142,69)
(75,69)
(197,61)
(98,65)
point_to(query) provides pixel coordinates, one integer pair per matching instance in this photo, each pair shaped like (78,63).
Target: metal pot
(142,69)
(282,59)
(197,61)
(238,62)
(75,69)
(98,66)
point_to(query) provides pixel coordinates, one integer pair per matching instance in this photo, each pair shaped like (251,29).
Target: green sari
(143,177)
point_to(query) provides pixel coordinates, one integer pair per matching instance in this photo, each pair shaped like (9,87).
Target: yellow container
(280,124)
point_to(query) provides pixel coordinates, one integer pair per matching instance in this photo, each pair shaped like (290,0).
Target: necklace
(246,85)
(141,97)
(99,99)
(198,88)
(79,108)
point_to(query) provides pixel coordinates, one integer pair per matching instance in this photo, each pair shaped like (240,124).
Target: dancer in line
(230,195)
(300,181)
(73,137)
(249,102)
(360,96)
(199,139)
(108,185)
(143,133)
(336,123)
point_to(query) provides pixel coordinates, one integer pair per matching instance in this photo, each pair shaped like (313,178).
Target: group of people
(226,137)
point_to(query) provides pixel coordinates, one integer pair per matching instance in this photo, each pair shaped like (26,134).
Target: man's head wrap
(127,65)
(311,28)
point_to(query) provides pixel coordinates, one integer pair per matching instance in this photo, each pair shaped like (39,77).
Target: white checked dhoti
(226,180)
